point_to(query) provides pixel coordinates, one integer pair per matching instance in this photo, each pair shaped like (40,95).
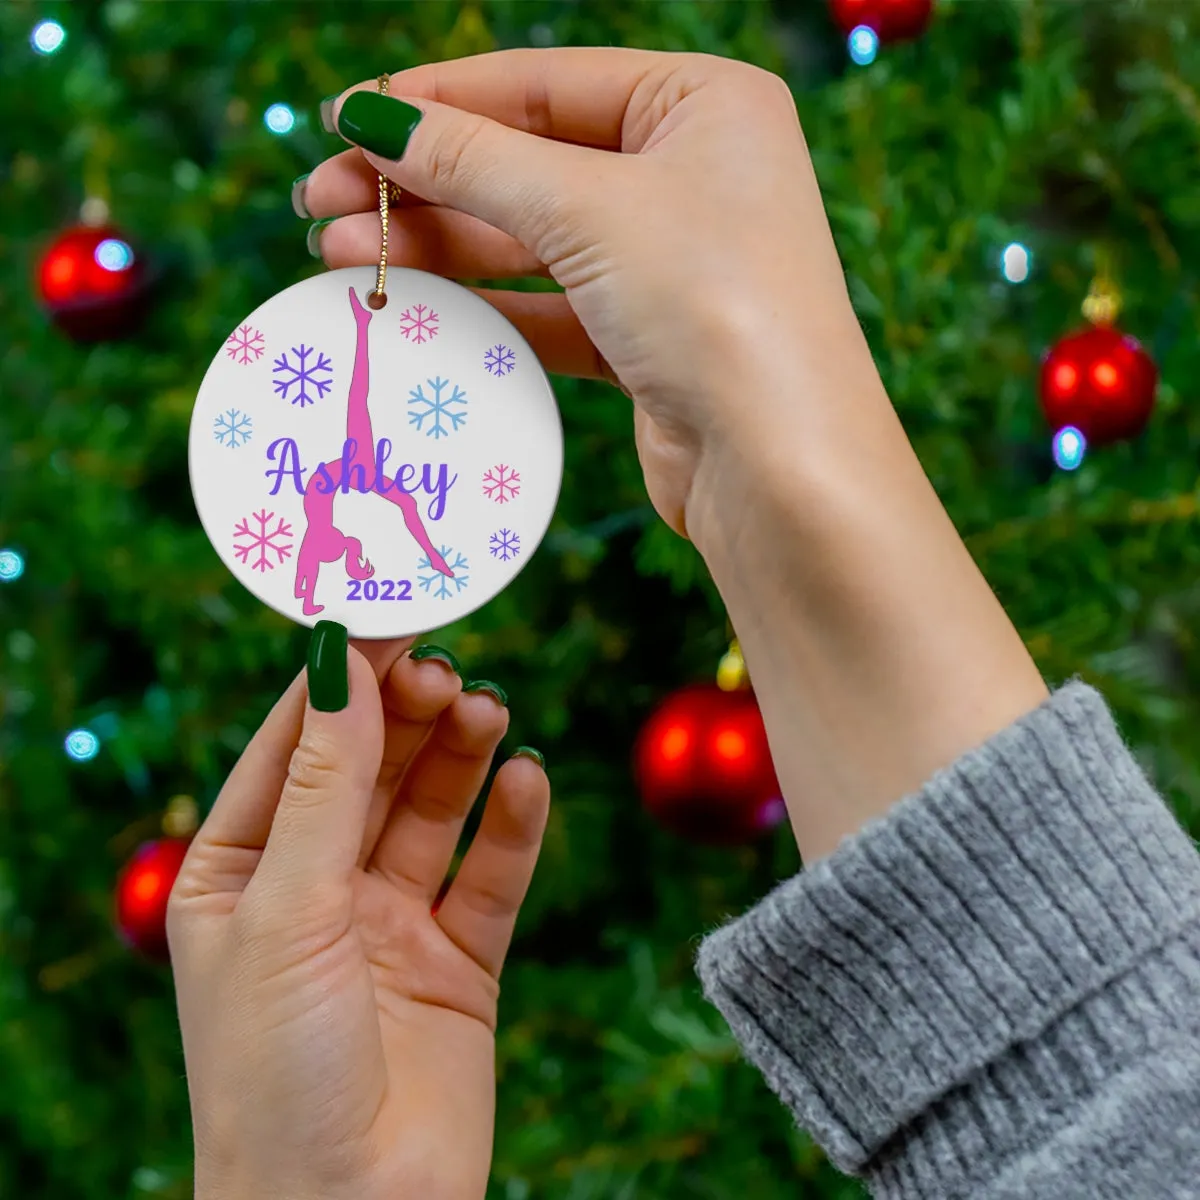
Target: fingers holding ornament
(428,238)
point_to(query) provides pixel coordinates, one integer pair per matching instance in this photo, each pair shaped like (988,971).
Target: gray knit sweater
(994,990)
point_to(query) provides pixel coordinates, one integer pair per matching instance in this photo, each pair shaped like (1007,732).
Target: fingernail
(420,653)
(298,205)
(327,113)
(492,689)
(378,123)
(328,672)
(313,238)
(530,752)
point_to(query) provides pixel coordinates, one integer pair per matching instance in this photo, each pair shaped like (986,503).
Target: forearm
(877,650)
(991,991)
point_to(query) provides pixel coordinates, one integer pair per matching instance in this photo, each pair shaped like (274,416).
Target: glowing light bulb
(1069,448)
(863,44)
(114,255)
(12,566)
(1016,263)
(82,745)
(279,119)
(47,37)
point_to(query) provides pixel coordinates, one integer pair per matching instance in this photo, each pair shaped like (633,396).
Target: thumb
(318,828)
(515,181)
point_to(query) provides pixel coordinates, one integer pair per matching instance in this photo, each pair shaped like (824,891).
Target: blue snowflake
(505,545)
(303,375)
(435,582)
(437,406)
(233,428)
(499,360)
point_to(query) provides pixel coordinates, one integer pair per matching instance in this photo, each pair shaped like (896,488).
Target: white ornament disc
(393,469)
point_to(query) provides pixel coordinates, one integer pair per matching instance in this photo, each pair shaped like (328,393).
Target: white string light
(279,119)
(1016,262)
(1069,448)
(12,566)
(114,255)
(47,37)
(863,44)
(82,745)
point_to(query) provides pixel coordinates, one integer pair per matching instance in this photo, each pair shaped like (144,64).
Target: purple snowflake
(499,360)
(245,345)
(505,545)
(501,483)
(419,323)
(262,541)
(303,375)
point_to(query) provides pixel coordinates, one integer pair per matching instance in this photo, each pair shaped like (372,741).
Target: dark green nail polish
(298,205)
(328,672)
(530,752)
(492,689)
(420,653)
(313,238)
(378,123)
(327,113)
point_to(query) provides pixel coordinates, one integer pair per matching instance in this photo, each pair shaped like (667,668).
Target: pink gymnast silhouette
(323,542)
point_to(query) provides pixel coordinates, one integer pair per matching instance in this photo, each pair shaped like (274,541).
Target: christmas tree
(980,179)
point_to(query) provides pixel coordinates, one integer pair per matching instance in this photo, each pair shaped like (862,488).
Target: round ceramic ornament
(392,468)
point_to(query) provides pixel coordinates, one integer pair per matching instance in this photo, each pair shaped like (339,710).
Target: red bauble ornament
(93,283)
(892,20)
(704,769)
(1100,381)
(143,889)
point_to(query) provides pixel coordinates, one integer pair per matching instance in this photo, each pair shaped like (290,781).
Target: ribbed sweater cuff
(961,961)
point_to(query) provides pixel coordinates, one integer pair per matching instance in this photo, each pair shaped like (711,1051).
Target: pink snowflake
(262,541)
(501,483)
(419,323)
(245,345)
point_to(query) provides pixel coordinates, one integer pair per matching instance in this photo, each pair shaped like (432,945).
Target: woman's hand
(339,1035)
(672,197)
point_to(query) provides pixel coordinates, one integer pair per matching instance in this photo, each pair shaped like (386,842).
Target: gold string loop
(388,193)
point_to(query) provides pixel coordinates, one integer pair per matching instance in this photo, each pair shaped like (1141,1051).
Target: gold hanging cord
(389,193)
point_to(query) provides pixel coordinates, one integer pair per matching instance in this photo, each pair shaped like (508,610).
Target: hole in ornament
(377,300)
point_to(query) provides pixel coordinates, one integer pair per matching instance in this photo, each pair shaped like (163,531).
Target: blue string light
(279,119)
(1069,448)
(82,745)
(114,255)
(12,566)
(47,37)
(1016,262)
(863,44)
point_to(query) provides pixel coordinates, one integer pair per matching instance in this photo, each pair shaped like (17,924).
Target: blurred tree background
(1072,128)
